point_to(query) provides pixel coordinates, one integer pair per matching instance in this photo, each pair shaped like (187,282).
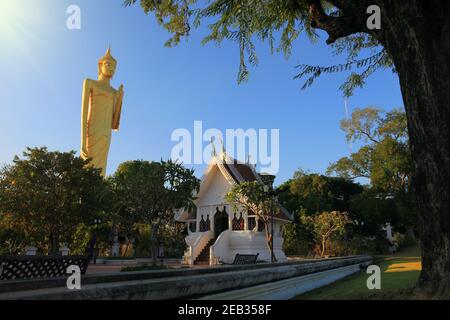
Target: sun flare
(20,30)
(10,16)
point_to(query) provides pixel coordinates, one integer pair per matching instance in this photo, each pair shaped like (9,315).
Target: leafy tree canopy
(49,193)
(327,225)
(255,199)
(149,193)
(384,157)
(317,193)
(279,23)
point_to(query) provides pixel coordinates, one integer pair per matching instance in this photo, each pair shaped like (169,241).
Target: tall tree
(384,159)
(317,193)
(254,198)
(48,194)
(413,38)
(150,192)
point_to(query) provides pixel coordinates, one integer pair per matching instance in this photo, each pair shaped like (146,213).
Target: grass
(399,273)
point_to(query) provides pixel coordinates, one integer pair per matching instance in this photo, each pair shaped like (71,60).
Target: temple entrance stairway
(203,257)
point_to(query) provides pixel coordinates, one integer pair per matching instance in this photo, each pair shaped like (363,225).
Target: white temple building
(215,232)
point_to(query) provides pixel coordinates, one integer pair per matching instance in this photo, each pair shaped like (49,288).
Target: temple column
(230,217)
(197,221)
(211,219)
(245,216)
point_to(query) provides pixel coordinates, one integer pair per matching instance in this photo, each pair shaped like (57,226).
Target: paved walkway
(102,269)
(288,288)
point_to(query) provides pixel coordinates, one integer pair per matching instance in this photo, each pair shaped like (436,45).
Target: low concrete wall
(289,288)
(172,284)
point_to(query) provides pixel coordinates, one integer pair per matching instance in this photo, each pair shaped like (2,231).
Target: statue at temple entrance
(100,113)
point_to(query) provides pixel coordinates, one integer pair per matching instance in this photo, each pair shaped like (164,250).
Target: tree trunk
(269,242)
(324,246)
(127,247)
(154,244)
(54,243)
(417,35)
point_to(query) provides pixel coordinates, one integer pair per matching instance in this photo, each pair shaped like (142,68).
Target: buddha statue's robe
(100,115)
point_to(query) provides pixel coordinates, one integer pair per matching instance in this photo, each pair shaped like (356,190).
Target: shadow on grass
(399,275)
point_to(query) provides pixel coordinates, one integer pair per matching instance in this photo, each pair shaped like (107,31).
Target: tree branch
(350,22)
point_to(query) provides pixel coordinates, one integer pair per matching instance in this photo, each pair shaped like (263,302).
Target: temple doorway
(220,222)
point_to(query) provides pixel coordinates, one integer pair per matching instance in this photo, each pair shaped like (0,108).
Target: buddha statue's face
(107,68)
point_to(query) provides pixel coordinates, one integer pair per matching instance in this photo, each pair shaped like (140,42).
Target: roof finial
(224,152)
(213,147)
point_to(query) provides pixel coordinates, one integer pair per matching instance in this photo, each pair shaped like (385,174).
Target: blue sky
(43,64)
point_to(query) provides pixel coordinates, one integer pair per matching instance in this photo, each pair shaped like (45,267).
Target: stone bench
(241,259)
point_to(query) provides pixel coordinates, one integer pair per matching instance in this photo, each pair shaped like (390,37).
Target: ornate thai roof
(235,172)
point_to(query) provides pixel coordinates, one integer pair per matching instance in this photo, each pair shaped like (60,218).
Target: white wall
(211,196)
(247,242)
(214,190)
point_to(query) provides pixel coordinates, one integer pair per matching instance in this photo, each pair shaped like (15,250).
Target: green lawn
(399,271)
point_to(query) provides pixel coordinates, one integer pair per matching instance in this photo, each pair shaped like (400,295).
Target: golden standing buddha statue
(100,113)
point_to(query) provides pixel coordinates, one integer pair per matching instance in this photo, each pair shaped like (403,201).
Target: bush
(404,240)
(297,240)
(12,242)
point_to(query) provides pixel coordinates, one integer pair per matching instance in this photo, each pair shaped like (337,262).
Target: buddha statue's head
(107,65)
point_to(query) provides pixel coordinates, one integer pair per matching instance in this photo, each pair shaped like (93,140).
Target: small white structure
(30,251)
(216,233)
(64,250)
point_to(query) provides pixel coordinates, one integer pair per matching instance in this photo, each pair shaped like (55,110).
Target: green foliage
(404,241)
(256,199)
(48,194)
(327,226)
(385,160)
(366,66)
(373,125)
(317,193)
(310,194)
(148,193)
(298,238)
(80,239)
(171,235)
(13,240)
(279,23)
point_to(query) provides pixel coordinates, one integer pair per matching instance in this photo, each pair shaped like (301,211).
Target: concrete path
(287,289)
